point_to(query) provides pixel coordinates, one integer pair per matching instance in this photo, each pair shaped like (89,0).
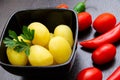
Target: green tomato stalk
(80,7)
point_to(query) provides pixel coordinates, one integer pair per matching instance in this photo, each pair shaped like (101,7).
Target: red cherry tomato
(104,22)
(90,73)
(104,54)
(62,6)
(84,20)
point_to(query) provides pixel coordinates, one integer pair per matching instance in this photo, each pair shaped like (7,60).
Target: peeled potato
(51,36)
(40,56)
(41,35)
(15,58)
(60,49)
(64,31)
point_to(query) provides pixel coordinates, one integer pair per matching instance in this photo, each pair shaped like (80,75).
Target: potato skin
(15,58)
(60,49)
(65,32)
(40,56)
(41,32)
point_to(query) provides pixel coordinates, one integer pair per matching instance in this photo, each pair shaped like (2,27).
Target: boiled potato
(51,36)
(15,58)
(60,49)
(40,56)
(64,31)
(41,35)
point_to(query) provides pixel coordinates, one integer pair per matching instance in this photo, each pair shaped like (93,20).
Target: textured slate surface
(83,58)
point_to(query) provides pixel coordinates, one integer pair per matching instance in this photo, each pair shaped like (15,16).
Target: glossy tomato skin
(104,22)
(84,20)
(62,6)
(115,74)
(104,54)
(90,73)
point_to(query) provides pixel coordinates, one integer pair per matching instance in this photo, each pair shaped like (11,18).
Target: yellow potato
(51,36)
(60,49)
(41,35)
(64,31)
(16,58)
(40,56)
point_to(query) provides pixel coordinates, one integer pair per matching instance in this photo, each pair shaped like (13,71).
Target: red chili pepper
(111,36)
(115,75)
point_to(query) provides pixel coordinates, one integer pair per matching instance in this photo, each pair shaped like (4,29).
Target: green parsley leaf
(19,45)
(27,33)
(9,42)
(13,35)
(27,51)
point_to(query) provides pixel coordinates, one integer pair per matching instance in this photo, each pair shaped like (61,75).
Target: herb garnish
(19,45)
(27,33)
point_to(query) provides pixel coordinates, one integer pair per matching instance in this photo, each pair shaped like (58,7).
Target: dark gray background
(83,58)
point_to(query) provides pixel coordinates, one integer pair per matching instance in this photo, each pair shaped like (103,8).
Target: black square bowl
(51,18)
